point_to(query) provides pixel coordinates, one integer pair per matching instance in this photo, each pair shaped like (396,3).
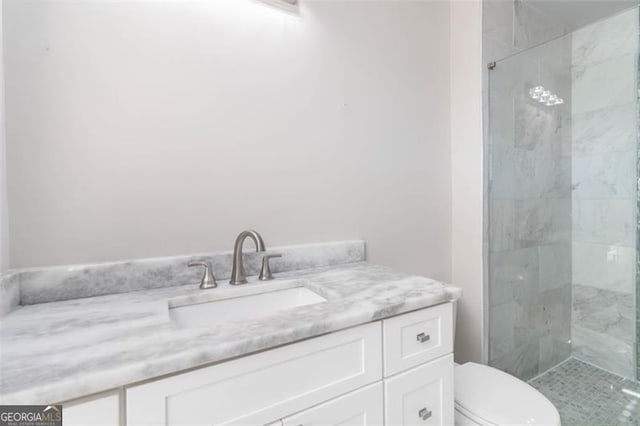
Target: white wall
(4,209)
(467,175)
(150,128)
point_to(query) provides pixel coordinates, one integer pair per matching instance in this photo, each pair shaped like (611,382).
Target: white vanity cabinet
(397,371)
(358,408)
(261,388)
(417,337)
(96,410)
(422,395)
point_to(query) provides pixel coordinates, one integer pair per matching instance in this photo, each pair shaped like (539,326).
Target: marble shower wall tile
(520,275)
(605,85)
(604,311)
(493,49)
(599,42)
(603,351)
(553,313)
(527,336)
(39,285)
(605,131)
(509,27)
(529,266)
(497,20)
(501,132)
(497,30)
(604,180)
(532,27)
(521,173)
(553,351)
(555,65)
(536,128)
(501,331)
(515,224)
(514,74)
(604,176)
(555,266)
(522,362)
(604,267)
(541,318)
(605,221)
(514,275)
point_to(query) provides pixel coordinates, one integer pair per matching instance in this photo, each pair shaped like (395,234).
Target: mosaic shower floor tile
(586,395)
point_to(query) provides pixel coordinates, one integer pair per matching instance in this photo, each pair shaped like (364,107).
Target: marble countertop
(57,351)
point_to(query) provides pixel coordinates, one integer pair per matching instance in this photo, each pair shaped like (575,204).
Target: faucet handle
(208,280)
(265,272)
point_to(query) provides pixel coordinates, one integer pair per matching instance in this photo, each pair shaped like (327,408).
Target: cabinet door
(421,396)
(99,410)
(362,407)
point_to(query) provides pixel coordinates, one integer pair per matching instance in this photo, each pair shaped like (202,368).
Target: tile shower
(530,213)
(604,156)
(562,197)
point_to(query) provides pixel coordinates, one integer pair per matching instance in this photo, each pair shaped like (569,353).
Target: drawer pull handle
(424,414)
(423,337)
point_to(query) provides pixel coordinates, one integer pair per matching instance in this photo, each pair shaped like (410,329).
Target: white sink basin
(242,307)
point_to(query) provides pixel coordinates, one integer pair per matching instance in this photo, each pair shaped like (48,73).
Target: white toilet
(487,396)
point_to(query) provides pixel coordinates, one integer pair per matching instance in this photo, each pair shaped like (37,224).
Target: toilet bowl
(487,396)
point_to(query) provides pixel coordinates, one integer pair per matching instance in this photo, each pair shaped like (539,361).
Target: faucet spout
(238,274)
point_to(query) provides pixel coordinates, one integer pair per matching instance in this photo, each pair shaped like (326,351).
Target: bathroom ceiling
(578,13)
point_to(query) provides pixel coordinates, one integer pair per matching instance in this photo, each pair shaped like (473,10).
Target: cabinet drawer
(264,387)
(417,337)
(362,407)
(421,396)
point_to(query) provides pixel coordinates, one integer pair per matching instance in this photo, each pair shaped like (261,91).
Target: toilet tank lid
(499,398)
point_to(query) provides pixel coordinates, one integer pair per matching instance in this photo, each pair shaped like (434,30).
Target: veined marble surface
(509,27)
(41,285)
(9,293)
(604,178)
(529,264)
(63,350)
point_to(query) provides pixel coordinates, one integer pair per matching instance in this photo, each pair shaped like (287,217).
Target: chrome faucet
(238,275)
